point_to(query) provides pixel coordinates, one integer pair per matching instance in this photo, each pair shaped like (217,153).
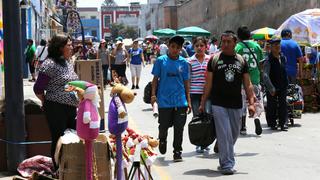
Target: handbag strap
(254,57)
(41,52)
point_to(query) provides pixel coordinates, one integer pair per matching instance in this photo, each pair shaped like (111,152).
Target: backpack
(147,93)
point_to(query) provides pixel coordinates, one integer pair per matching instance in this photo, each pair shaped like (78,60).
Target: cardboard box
(37,129)
(72,162)
(91,71)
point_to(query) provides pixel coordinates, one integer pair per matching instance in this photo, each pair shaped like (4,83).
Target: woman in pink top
(198,65)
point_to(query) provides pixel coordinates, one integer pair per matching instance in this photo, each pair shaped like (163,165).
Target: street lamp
(14,114)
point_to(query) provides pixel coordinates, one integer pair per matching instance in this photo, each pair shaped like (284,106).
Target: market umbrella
(127,42)
(86,37)
(164,32)
(263,33)
(193,31)
(139,39)
(151,37)
(305,27)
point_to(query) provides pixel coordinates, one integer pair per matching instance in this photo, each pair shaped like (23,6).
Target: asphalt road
(273,155)
(276,155)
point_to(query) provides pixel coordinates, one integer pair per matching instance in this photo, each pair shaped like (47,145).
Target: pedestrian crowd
(225,77)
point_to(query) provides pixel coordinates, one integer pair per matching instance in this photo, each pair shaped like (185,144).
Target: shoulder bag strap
(41,52)
(254,57)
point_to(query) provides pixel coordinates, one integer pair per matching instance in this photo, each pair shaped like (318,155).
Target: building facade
(90,18)
(161,14)
(128,15)
(218,16)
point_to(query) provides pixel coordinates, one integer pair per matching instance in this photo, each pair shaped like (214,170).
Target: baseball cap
(177,39)
(274,39)
(103,41)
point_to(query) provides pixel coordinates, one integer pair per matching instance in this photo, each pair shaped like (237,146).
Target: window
(82,17)
(126,15)
(107,21)
(93,17)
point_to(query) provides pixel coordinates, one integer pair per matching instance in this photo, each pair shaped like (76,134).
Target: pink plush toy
(88,119)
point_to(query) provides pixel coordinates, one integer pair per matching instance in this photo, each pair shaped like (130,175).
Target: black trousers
(175,117)
(277,108)
(60,117)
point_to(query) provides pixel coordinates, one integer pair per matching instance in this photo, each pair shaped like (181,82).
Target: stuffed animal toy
(118,119)
(88,119)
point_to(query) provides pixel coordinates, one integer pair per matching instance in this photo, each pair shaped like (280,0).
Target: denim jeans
(105,68)
(195,104)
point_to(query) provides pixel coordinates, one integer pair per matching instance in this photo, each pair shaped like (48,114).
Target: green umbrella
(164,32)
(193,31)
(263,33)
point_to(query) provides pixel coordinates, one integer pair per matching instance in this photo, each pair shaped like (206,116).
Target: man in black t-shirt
(225,74)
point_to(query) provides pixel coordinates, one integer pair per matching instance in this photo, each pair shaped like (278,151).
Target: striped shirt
(198,74)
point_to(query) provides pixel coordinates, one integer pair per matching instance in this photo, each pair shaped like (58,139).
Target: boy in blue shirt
(170,89)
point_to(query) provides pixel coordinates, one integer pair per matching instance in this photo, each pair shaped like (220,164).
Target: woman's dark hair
(30,41)
(199,38)
(43,42)
(105,45)
(56,45)
(214,39)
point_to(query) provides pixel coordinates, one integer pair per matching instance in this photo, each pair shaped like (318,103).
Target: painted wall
(220,15)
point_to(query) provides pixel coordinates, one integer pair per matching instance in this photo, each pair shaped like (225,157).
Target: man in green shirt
(252,53)
(30,52)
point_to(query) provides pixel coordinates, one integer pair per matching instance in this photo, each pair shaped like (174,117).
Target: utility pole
(14,106)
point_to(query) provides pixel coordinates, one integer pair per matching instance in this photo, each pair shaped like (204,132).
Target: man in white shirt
(42,51)
(213,46)
(163,49)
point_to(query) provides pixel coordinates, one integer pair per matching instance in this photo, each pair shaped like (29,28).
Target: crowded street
(273,155)
(159,90)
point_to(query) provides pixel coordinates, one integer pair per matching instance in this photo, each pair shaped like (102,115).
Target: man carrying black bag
(225,74)
(202,130)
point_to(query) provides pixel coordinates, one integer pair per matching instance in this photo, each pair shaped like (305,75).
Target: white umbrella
(305,27)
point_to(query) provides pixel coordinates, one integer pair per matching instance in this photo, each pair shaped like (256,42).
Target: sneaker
(137,87)
(243,131)
(177,157)
(258,126)
(163,147)
(207,148)
(283,128)
(132,87)
(273,128)
(227,171)
(199,149)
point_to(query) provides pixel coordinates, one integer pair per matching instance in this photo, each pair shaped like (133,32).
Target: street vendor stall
(305,27)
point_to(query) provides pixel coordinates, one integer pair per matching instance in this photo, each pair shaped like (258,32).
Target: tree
(109,3)
(116,30)
(122,30)
(130,32)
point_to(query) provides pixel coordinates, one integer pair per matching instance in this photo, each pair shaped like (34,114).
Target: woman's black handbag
(202,130)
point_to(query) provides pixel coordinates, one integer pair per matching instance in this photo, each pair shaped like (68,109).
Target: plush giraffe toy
(118,119)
